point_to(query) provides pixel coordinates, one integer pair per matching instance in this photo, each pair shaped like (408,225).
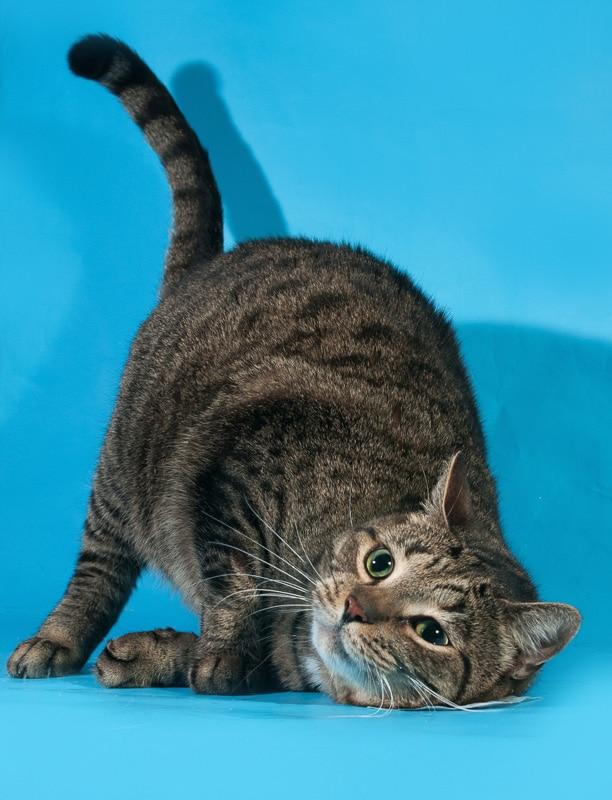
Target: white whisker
(257,558)
(257,577)
(270,528)
(259,544)
(444,700)
(286,606)
(391,700)
(255,592)
(421,694)
(315,570)
(350,508)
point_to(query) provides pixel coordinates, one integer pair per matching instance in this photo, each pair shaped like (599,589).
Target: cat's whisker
(271,529)
(255,668)
(444,700)
(332,572)
(304,640)
(377,709)
(291,607)
(257,577)
(390,690)
(314,569)
(424,697)
(257,558)
(426,481)
(255,592)
(422,689)
(421,694)
(259,544)
(382,693)
(350,502)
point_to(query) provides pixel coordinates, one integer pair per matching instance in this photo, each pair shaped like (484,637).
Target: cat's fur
(288,406)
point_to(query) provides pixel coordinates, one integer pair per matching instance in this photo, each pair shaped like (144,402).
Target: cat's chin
(345,677)
(346,674)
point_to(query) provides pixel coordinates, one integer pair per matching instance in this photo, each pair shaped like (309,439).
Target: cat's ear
(539,631)
(451,497)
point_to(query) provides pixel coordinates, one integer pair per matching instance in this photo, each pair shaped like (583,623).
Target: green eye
(427,628)
(379,563)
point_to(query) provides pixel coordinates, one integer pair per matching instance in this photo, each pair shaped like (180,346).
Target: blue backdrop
(471,144)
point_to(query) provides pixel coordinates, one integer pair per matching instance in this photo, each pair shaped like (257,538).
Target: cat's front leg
(231,666)
(104,576)
(229,652)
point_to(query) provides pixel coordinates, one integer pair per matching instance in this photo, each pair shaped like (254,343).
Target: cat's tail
(197,230)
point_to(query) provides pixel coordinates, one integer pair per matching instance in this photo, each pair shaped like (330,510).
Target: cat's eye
(379,563)
(430,630)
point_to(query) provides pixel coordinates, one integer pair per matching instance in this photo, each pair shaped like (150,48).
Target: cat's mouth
(342,652)
(334,647)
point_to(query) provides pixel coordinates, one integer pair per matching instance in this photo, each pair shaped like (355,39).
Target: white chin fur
(328,644)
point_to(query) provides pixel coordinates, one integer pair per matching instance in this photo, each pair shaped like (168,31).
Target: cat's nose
(353,612)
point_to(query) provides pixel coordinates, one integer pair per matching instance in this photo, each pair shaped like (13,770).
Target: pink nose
(353,612)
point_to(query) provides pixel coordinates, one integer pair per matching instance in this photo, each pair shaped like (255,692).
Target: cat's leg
(161,657)
(225,659)
(104,577)
(212,664)
(229,648)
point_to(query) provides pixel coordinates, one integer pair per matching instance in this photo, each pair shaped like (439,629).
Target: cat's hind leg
(161,657)
(105,574)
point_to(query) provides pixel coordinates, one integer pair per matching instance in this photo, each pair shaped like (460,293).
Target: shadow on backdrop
(545,401)
(251,209)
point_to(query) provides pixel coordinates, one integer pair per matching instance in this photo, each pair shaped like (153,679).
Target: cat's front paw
(149,658)
(43,658)
(220,673)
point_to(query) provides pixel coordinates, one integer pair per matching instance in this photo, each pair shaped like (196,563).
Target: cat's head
(406,613)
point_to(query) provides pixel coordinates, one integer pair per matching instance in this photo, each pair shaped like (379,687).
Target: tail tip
(91,56)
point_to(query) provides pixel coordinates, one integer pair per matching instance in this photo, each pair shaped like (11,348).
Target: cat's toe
(221,673)
(125,661)
(43,658)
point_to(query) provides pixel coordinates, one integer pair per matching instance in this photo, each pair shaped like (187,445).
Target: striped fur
(288,406)
(197,234)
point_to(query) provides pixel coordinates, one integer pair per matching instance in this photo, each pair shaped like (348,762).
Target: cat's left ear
(451,496)
(539,631)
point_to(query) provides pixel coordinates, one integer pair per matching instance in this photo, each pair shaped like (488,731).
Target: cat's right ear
(451,497)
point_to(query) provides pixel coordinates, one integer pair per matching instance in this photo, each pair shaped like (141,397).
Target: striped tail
(197,230)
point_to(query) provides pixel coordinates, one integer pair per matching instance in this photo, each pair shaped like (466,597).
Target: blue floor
(154,742)
(69,738)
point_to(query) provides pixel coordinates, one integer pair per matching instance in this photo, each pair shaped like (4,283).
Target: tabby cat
(297,448)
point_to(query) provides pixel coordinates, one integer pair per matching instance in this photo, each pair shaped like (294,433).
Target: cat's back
(293,340)
(332,304)
(295,315)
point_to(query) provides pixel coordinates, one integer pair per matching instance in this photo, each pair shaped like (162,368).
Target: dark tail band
(197,231)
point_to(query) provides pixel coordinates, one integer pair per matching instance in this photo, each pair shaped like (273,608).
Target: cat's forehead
(415,533)
(424,551)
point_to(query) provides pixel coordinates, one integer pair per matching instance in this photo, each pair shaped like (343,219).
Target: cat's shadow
(251,208)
